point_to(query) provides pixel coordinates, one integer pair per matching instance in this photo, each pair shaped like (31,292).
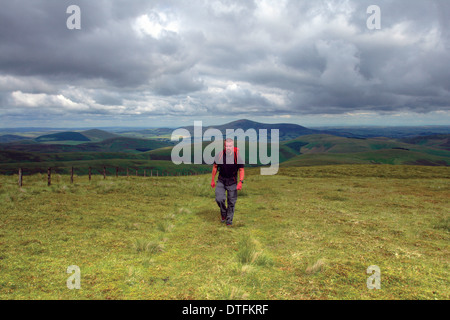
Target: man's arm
(213,179)
(241,177)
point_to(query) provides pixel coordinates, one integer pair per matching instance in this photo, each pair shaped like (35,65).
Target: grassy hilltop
(306,233)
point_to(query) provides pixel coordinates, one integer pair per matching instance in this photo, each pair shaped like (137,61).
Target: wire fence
(103,171)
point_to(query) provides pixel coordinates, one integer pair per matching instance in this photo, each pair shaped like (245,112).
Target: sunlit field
(306,233)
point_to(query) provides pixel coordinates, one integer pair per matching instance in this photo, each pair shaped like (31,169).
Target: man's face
(229,146)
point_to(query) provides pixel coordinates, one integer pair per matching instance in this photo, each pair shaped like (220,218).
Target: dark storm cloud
(106,47)
(247,57)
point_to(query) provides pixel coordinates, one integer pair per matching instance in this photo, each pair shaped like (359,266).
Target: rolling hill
(152,133)
(11,138)
(332,144)
(287,131)
(75,137)
(327,149)
(96,135)
(119,144)
(396,132)
(62,136)
(392,157)
(441,141)
(308,148)
(123,144)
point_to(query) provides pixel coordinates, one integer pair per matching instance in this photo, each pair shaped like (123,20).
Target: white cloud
(155,25)
(40,100)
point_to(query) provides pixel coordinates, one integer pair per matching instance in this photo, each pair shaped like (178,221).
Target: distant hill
(287,131)
(386,156)
(120,144)
(62,136)
(390,132)
(153,133)
(313,144)
(332,144)
(327,149)
(299,146)
(441,141)
(11,137)
(123,144)
(98,135)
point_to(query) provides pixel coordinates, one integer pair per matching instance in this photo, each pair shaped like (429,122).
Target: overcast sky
(168,63)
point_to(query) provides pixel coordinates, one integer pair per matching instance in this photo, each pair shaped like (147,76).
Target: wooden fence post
(104,172)
(144,173)
(117,172)
(90,173)
(20,177)
(128,173)
(151,173)
(136,172)
(49,177)
(71,175)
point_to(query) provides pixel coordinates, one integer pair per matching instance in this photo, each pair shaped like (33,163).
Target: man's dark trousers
(231,198)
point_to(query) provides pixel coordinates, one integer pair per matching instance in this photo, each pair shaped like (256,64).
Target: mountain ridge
(287,131)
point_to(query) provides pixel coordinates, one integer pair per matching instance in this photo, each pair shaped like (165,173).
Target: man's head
(229,145)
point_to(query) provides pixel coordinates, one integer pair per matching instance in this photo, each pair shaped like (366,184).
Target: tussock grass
(165,226)
(249,252)
(143,245)
(316,267)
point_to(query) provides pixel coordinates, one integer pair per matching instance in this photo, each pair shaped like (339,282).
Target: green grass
(306,233)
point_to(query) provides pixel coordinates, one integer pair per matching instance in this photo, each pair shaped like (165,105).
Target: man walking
(228,162)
